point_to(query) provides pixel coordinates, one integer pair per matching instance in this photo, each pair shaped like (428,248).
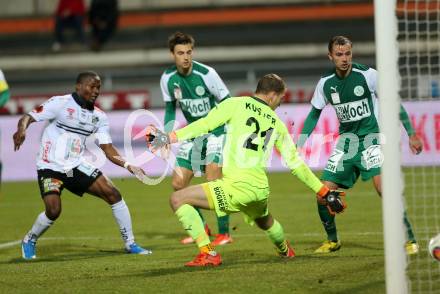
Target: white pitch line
(9,244)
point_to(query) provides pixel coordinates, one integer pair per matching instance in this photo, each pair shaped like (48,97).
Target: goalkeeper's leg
(274,231)
(182,176)
(213,172)
(182,202)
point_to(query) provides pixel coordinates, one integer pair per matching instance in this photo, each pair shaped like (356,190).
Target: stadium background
(242,40)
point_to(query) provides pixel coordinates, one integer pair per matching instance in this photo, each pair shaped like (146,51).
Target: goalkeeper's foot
(289,253)
(411,247)
(28,249)
(189,240)
(206,259)
(136,249)
(329,246)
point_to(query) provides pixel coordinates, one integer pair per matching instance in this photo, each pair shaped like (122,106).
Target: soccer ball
(434,247)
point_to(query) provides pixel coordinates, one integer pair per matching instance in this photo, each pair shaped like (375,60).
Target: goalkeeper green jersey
(253,129)
(196,93)
(354,99)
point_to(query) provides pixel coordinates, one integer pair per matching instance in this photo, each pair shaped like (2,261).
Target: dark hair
(270,82)
(338,40)
(179,38)
(85,75)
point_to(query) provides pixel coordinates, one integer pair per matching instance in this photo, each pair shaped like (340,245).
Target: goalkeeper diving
(253,129)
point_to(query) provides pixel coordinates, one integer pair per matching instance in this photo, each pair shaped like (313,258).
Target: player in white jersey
(60,163)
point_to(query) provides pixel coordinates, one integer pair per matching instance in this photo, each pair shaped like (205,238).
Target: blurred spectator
(4,97)
(103,17)
(69,14)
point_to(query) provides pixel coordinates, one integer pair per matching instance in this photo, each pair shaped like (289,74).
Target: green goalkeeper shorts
(226,197)
(196,154)
(344,166)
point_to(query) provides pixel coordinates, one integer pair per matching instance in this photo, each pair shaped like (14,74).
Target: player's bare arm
(20,135)
(113,155)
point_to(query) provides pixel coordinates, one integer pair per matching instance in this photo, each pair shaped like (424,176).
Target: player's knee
(53,213)
(112,196)
(178,184)
(176,200)
(265,222)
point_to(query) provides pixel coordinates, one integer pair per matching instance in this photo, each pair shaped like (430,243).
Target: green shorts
(344,165)
(226,197)
(196,154)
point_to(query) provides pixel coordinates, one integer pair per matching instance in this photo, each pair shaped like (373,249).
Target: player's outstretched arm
(20,135)
(415,143)
(286,147)
(332,198)
(309,125)
(218,116)
(113,155)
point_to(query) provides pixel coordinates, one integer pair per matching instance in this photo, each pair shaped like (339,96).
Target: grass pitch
(83,252)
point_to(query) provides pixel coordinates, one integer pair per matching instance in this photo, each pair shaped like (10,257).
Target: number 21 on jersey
(264,135)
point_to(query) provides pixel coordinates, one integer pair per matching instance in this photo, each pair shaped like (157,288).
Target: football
(434,247)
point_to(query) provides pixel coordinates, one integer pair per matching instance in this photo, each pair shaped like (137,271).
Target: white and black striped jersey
(63,140)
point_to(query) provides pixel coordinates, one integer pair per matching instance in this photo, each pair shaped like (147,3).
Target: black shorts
(77,182)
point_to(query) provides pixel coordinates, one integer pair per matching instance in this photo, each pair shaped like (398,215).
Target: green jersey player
(196,88)
(351,89)
(253,129)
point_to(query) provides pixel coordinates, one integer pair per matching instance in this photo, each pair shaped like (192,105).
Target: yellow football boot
(329,246)
(411,247)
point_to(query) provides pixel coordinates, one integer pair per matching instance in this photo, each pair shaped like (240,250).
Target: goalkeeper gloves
(334,199)
(157,140)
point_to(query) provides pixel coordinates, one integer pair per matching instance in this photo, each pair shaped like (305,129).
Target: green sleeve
(216,117)
(288,151)
(4,97)
(309,125)
(170,115)
(406,121)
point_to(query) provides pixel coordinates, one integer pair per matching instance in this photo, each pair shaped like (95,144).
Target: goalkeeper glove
(155,138)
(334,199)
(158,140)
